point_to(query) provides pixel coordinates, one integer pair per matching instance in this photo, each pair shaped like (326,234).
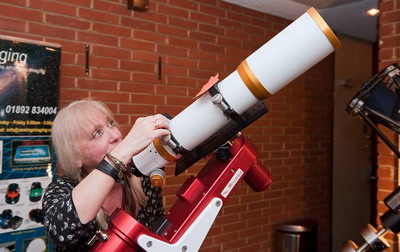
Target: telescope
(378,102)
(212,125)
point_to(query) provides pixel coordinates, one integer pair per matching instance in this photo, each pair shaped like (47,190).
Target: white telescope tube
(286,56)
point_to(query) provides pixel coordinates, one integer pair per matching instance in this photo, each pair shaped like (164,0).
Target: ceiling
(346,17)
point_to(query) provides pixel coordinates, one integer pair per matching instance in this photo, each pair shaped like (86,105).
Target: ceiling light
(373,12)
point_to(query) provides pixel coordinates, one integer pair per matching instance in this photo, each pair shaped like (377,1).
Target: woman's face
(101,138)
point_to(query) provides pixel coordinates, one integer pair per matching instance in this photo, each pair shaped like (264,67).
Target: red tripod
(199,201)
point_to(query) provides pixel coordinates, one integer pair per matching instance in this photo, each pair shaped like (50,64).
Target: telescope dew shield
(285,57)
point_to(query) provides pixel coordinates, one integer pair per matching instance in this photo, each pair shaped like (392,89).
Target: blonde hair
(68,126)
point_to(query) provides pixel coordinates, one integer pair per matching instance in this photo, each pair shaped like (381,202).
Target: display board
(29,93)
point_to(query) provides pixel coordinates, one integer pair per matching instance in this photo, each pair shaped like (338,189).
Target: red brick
(113,52)
(23,14)
(100,16)
(180,81)
(110,97)
(203,74)
(386,6)
(170,50)
(111,30)
(73,94)
(138,66)
(201,55)
(386,184)
(210,47)
(184,4)
(68,58)
(144,77)
(141,110)
(137,88)
(150,36)
(203,18)
(97,84)
(183,23)
(182,61)
(150,18)
(115,8)
(201,36)
(390,41)
(13,25)
(85,3)
(172,70)
(212,67)
(238,52)
(69,22)
(390,17)
(138,45)
(387,29)
(184,43)
(228,23)
(108,74)
(97,38)
(171,30)
(144,56)
(101,62)
(135,24)
(16,2)
(211,29)
(54,7)
(73,70)
(212,10)
(173,10)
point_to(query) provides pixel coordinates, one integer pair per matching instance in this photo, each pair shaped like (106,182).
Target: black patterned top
(62,223)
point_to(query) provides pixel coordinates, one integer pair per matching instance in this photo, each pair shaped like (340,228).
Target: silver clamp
(356,105)
(99,236)
(218,101)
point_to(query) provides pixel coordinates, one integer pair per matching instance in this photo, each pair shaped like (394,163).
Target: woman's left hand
(143,132)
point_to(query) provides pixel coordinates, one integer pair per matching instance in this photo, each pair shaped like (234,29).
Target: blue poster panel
(29,93)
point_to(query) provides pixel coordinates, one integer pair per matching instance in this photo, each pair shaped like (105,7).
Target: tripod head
(378,102)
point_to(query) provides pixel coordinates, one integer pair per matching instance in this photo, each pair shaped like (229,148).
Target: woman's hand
(143,132)
(146,129)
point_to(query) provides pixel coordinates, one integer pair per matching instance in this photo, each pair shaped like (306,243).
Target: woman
(91,157)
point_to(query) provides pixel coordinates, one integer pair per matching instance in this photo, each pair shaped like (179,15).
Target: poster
(29,93)
(29,86)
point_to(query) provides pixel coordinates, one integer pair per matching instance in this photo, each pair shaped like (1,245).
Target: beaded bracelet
(118,163)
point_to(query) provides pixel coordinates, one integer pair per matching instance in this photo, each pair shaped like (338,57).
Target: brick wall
(196,39)
(389,52)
